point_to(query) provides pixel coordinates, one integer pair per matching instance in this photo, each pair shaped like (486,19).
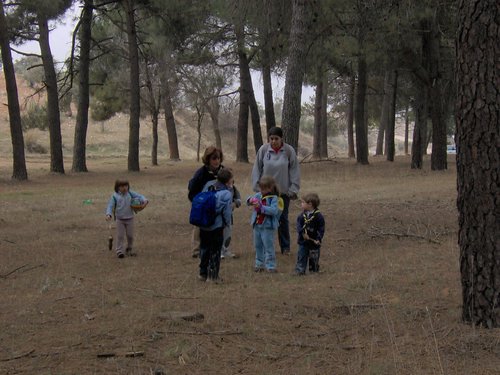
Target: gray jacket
(282,165)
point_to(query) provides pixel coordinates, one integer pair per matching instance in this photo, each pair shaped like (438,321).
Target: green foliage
(30,68)
(35,118)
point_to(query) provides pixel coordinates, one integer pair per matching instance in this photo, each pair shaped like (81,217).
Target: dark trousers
(210,248)
(284,226)
(306,255)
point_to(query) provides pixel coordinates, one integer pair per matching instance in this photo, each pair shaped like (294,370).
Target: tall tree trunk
(173,145)
(214,109)
(419,129)
(19,171)
(323,144)
(242,131)
(154,146)
(390,147)
(350,117)
(359,113)
(266,70)
(295,74)
(135,97)
(438,156)
(478,160)
(54,117)
(318,102)
(82,114)
(254,111)
(384,115)
(407,126)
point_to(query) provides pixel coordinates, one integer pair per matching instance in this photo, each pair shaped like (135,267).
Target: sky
(60,44)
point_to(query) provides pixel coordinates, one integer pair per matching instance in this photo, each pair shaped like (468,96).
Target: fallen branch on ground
(379,232)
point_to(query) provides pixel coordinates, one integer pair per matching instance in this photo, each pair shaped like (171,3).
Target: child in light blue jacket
(120,207)
(212,237)
(266,210)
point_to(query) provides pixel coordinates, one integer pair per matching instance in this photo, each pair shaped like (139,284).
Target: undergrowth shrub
(35,117)
(31,144)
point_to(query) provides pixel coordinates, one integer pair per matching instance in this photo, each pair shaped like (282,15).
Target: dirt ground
(387,299)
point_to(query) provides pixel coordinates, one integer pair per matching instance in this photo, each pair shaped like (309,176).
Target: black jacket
(314,224)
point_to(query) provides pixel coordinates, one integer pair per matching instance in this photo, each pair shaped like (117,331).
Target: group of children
(266,206)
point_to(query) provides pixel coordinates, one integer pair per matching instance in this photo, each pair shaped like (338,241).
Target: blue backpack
(203,209)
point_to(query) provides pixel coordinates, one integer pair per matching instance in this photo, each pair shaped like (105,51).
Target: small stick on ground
(11,272)
(17,356)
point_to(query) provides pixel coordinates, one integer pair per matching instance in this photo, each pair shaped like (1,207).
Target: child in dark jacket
(212,237)
(212,163)
(310,229)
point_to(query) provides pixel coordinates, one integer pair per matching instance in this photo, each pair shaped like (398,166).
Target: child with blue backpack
(267,207)
(121,206)
(212,231)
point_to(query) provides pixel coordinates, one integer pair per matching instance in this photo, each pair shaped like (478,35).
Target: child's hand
(237,203)
(306,236)
(108,217)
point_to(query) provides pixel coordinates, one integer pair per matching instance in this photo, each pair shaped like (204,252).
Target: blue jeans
(307,255)
(210,248)
(263,240)
(284,229)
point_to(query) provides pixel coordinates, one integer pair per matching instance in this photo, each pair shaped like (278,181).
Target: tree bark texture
(384,115)
(242,130)
(213,108)
(82,114)
(19,171)
(173,145)
(419,129)
(360,115)
(478,160)
(318,102)
(323,143)
(295,74)
(436,92)
(268,89)
(350,117)
(407,126)
(254,112)
(54,118)
(135,96)
(390,130)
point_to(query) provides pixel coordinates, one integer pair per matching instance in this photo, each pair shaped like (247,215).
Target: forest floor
(387,299)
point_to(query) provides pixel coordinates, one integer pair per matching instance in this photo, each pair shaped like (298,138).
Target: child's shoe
(258,269)
(120,255)
(272,270)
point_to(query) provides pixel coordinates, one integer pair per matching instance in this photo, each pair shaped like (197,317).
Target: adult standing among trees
(279,160)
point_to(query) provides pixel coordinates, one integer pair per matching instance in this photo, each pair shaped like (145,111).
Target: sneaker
(272,270)
(285,252)
(121,255)
(298,273)
(195,254)
(202,278)
(214,281)
(227,254)
(258,269)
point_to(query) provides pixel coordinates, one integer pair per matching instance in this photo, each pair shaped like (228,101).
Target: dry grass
(388,299)
(386,302)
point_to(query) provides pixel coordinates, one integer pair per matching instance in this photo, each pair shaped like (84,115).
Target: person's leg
(129,229)
(270,253)
(120,238)
(195,242)
(283,229)
(204,253)
(259,248)
(314,260)
(302,256)
(216,239)
(226,253)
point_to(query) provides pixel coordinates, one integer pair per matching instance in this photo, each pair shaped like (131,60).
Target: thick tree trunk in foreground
(173,144)
(16,132)
(390,130)
(242,130)
(82,114)
(478,160)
